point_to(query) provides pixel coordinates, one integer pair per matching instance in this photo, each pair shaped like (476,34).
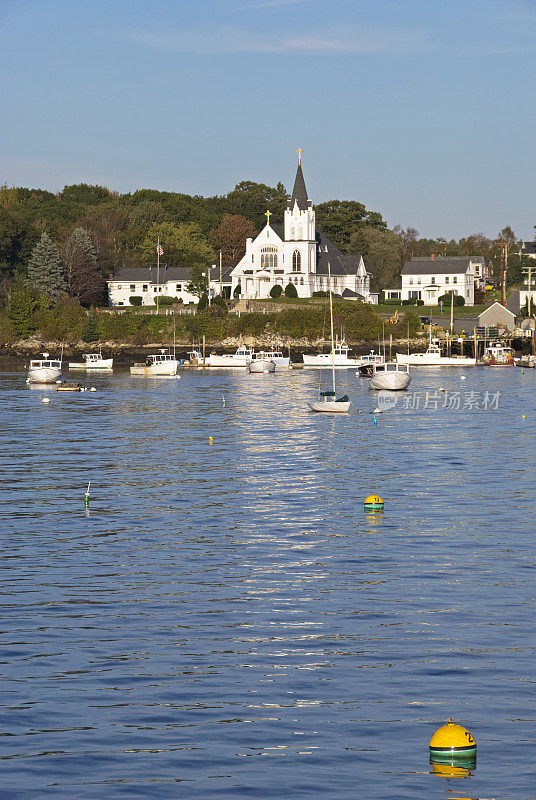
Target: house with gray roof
(149,283)
(428,278)
(297,252)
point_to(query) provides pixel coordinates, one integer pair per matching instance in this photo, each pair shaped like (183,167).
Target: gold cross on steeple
(268,214)
(299,152)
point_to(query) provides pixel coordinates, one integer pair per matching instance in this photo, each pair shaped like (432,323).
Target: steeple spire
(299,193)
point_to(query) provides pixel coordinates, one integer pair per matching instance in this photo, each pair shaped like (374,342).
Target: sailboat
(327,399)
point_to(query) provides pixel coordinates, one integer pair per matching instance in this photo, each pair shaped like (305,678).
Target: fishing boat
(276,356)
(327,401)
(241,358)
(434,358)
(261,364)
(368,362)
(93,361)
(157,364)
(44,370)
(391,375)
(338,357)
(498,355)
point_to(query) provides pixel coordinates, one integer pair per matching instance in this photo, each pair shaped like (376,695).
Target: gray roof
(351,293)
(441,266)
(340,263)
(529,248)
(299,193)
(149,274)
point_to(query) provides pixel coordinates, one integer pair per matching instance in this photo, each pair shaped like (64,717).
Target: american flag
(159,250)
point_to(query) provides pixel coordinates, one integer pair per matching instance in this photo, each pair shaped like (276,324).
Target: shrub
(320,294)
(480,296)
(135,300)
(165,300)
(237,292)
(203,303)
(290,290)
(446,299)
(219,306)
(276,291)
(419,303)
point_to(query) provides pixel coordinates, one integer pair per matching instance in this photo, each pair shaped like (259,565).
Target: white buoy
(92,389)
(377,411)
(223,399)
(441,389)
(45,400)
(462,377)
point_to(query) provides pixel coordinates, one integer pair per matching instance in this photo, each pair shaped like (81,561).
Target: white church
(298,253)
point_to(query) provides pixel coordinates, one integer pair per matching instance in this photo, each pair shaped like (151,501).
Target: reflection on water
(220,604)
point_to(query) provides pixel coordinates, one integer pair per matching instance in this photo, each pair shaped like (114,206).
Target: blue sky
(423,110)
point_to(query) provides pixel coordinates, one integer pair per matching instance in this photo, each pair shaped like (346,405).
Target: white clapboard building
(428,278)
(297,252)
(149,283)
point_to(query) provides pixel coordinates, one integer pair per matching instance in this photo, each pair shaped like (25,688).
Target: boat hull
(324,360)
(261,365)
(155,370)
(44,375)
(104,365)
(423,360)
(393,381)
(330,406)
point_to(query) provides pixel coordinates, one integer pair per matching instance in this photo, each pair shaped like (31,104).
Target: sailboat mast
(331,323)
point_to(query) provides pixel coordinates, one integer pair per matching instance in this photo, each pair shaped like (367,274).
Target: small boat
(44,370)
(260,364)
(241,358)
(161,363)
(93,361)
(276,356)
(368,362)
(69,387)
(338,356)
(497,355)
(327,402)
(327,399)
(392,376)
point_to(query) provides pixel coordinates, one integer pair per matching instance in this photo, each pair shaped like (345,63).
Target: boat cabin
(159,358)
(39,363)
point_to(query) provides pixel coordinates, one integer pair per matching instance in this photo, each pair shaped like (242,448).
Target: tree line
(67,244)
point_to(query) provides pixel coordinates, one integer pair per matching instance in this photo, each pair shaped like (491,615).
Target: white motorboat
(366,366)
(338,357)
(327,399)
(44,370)
(261,364)
(241,358)
(327,402)
(392,376)
(274,355)
(498,355)
(434,358)
(93,361)
(161,363)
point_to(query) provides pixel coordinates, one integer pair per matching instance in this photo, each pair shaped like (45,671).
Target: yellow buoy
(452,739)
(373,502)
(210,439)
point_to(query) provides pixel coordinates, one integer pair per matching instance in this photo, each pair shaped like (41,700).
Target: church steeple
(299,193)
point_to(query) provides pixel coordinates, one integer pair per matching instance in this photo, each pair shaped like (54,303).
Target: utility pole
(221,290)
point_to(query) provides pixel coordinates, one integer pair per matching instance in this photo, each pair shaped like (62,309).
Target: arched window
(296,261)
(269,257)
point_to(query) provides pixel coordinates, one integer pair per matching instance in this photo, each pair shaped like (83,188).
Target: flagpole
(157,272)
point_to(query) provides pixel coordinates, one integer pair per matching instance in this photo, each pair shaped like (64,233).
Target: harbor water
(226,621)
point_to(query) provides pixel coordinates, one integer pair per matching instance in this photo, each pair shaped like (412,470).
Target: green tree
(382,254)
(45,272)
(21,309)
(339,219)
(202,304)
(252,200)
(276,290)
(90,331)
(199,281)
(84,279)
(184,245)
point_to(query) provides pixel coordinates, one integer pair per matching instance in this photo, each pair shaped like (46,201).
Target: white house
(428,278)
(296,252)
(528,249)
(142,282)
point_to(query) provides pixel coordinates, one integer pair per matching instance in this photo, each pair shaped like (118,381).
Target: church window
(252,257)
(296,261)
(300,232)
(301,281)
(269,257)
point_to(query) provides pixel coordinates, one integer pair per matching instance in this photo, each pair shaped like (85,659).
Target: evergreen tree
(90,331)
(84,279)
(45,272)
(21,310)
